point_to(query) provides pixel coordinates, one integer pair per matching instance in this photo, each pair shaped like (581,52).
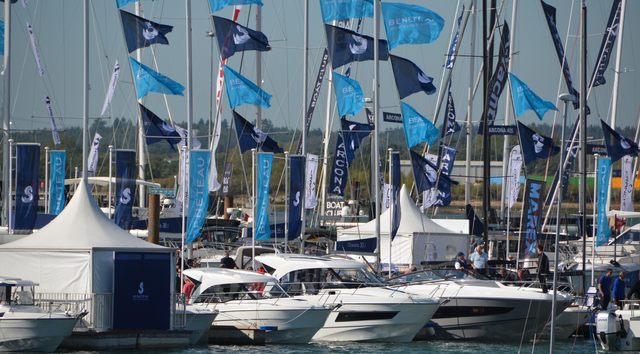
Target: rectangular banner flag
(112,88)
(392,117)
(450,126)
(148,80)
(34,49)
(315,94)
(513,179)
(141,33)
(626,188)
(571,150)
(337,10)
(617,144)
(606,47)
(417,129)
(395,193)
(241,90)
(453,46)
(263,170)
(499,78)
(340,169)
(346,46)
(27,183)
(92,164)
(410,78)
(525,99)
(125,187)
(531,214)
(219,4)
(250,137)
(56,182)
(349,95)
(386,197)
(233,37)
(296,192)
(423,26)
(156,129)
(198,193)
(310,199)
(447,160)
(603,176)
(226,179)
(54,127)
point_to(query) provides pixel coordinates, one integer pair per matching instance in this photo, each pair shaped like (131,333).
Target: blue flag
(1,37)
(346,46)
(447,158)
(27,178)
(241,90)
(233,37)
(155,129)
(524,99)
(349,95)
(531,215)
(410,24)
(336,10)
(535,146)
(424,172)
(219,4)
(251,137)
(140,32)
(450,126)
(395,193)
(410,78)
(296,193)
(453,46)
(56,182)
(199,161)
(604,171)
(617,145)
(147,80)
(352,134)
(476,227)
(417,129)
(121,3)
(125,187)
(263,170)
(346,145)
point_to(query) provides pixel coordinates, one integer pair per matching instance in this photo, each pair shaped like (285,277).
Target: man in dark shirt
(227,262)
(604,288)
(543,268)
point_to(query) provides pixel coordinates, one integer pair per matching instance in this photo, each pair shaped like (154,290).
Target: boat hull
(27,334)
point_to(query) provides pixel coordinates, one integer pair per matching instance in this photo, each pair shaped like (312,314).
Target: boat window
(23,297)
(309,281)
(419,276)
(240,291)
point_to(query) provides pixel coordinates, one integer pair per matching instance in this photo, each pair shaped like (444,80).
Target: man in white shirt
(479,260)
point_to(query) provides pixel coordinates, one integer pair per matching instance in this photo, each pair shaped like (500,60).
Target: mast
(376,104)
(303,150)
(141,140)
(85,87)
(486,173)
(472,61)
(583,137)
(189,94)
(6,110)
(259,66)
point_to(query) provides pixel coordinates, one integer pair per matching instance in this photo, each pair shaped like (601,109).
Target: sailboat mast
(485,126)
(472,65)
(259,65)
(583,138)
(6,110)
(189,94)
(303,150)
(141,141)
(85,87)
(376,104)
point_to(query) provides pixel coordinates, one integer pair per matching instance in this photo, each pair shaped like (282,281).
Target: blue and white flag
(410,78)
(296,194)
(141,33)
(337,10)
(155,129)
(410,24)
(199,161)
(606,47)
(604,172)
(453,47)
(56,181)
(125,187)
(417,129)
(346,46)
(339,169)
(52,119)
(27,183)
(525,99)
(263,170)
(424,172)
(219,4)
(352,134)
(147,80)
(531,214)
(349,95)
(121,3)
(233,37)
(241,90)
(535,146)
(450,125)
(617,144)
(499,78)
(250,137)
(395,193)
(447,159)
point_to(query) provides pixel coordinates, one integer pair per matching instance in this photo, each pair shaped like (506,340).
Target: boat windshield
(305,281)
(419,276)
(466,274)
(240,291)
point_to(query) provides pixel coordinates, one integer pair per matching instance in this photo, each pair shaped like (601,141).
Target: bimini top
(12,281)
(218,276)
(285,263)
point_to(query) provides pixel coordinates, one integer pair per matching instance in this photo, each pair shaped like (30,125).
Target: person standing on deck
(543,268)
(604,288)
(479,260)
(618,290)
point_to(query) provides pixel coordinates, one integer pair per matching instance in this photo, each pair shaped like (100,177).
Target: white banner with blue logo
(263,170)
(199,161)
(604,172)
(27,176)
(56,183)
(125,187)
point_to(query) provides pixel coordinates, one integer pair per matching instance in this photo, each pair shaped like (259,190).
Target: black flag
(410,78)
(346,46)
(617,145)
(233,37)
(140,32)
(251,137)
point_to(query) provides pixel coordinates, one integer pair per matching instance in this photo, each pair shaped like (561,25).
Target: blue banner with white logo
(604,172)
(263,170)
(336,10)
(56,182)
(148,80)
(417,129)
(453,46)
(125,187)
(199,161)
(241,90)
(349,95)
(395,193)
(410,24)
(447,158)
(27,176)
(297,164)
(531,214)
(525,99)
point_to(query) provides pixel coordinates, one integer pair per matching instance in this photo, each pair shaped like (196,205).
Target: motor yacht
(619,329)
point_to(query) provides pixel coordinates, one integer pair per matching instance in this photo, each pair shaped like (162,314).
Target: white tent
(418,239)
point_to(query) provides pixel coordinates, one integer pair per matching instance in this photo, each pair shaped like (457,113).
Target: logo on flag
(346,46)
(410,78)
(251,137)
(233,37)
(219,4)
(336,10)
(535,146)
(617,145)
(241,90)
(410,24)
(140,32)
(349,95)
(147,80)
(417,129)
(525,99)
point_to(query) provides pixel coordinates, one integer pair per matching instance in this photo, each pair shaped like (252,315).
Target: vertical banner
(499,78)
(340,169)
(531,213)
(453,46)
(263,170)
(112,88)
(571,151)
(56,184)
(92,164)
(199,161)
(386,197)
(125,187)
(34,49)
(395,193)
(296,192)
(513,179)
(182,193)
(603,175)
(226,179)
(310,199)
(54,127)
(626,188)
(448,157)
(430,196)
(315,94)
(606,48)
(27,177)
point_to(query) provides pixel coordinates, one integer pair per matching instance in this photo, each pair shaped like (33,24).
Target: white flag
(430,196)
(54,128)
(34,48)
(626,190)
(92,164)
(513,179)
(386,197)
(310,200)
(112,88)
(183,181)
(214,185)
(196,144)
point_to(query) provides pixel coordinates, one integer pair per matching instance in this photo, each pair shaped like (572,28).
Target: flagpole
(85,88)
(141,139)
(46,179)
(470,94)
(253,208)
(110,174)
(287,191)
(11,187)
(583,135)
(6,110)
(391,205)
(376,105)
(593,229)
(303,149)
(486,172)
(183,177)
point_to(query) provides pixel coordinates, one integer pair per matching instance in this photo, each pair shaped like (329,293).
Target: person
(543,268)
(618,290)
(460,263)
(604,288)
(634,292)
(227,262)
(479,259)
(506,276)
(187,289)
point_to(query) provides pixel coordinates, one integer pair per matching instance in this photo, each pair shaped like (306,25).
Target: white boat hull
(619,330)
(27,334)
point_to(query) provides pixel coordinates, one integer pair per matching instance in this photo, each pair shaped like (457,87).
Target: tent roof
(411,220)
(104,181)
(81,226)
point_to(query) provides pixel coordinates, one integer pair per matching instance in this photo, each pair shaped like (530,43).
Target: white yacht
(26,327)
(250,300)
(367,311)
(620,329)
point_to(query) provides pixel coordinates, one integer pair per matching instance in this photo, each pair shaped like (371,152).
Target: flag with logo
(27,184)
(453,46)
(450,126)
(56,181)
(513,179)
(498,80)
(199,161)
(606,47)
(250,137)
(353,133)
(311,170)
(141,33)
(603,176)
(337,10)
(349,95)
(417,129)
(535,146)
(346,46)
(241,90)
(156,130)
(92,164)
(233,37)
(219,4)
(52,118)
(125,187)
(410,78)
(626,188)
(296,193)
(617,144)
(395,193)
(424,172)
(410,24)
(263,170)
(148,80)
(531,214)
(525,99)
(112,88)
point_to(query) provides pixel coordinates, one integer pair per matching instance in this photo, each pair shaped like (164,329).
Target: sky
(58,27)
